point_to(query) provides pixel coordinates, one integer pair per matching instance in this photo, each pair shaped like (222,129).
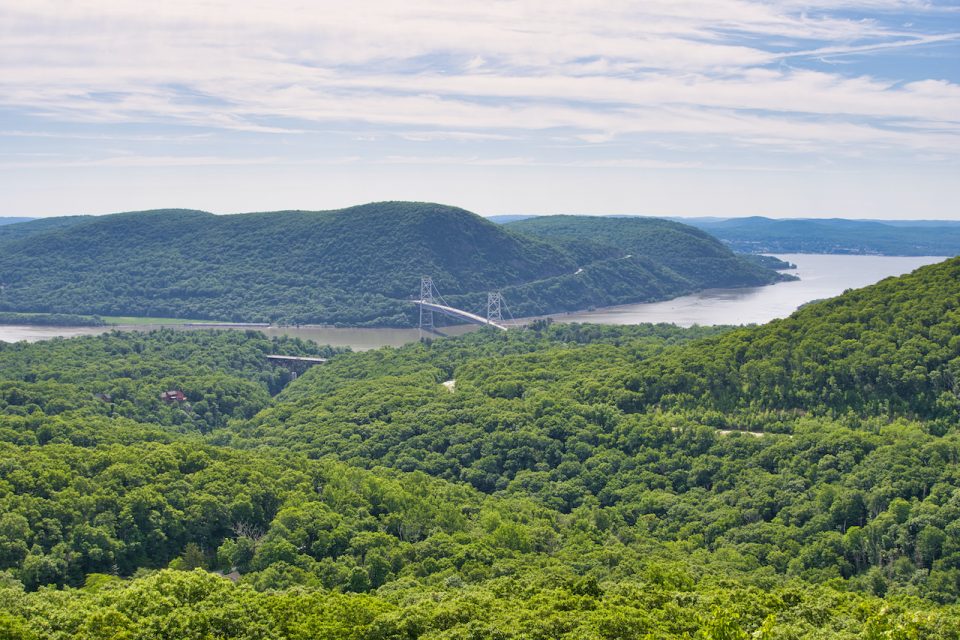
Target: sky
(654,107)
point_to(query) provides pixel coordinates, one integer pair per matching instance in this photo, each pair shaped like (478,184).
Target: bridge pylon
(426,295)
(494,307)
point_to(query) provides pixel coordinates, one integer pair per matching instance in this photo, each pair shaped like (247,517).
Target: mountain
(358,266)
(900,238)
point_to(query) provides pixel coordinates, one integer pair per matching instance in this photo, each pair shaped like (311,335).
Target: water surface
(821,276)
(33,333)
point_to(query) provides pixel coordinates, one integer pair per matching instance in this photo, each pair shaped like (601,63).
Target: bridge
(296,365)
(460,314)
(428,306)
(286,359)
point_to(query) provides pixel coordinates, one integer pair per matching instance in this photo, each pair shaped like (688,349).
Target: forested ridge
(356,266)
(799,479)
(677,250)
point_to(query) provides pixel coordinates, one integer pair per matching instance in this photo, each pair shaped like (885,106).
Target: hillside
(894,238)
(357,266)
(692,255)
(794,480)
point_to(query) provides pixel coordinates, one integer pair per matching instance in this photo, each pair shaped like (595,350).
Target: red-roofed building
(173,396)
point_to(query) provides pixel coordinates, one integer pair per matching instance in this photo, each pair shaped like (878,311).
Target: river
(821,276)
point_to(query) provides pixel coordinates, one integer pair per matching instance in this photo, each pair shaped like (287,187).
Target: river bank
(821,276)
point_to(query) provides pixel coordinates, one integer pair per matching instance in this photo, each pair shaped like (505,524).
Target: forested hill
(354,266)
(891,349)
(694,255)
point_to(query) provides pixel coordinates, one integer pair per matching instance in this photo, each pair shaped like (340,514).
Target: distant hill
(757,234)
(899,237)
(26,227)
(918,223)
(504,219)
(356,266)
(5,221)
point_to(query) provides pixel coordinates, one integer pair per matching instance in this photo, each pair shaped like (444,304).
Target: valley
(577,477)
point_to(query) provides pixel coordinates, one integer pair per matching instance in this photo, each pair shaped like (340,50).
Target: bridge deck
(459,313)
(298,359)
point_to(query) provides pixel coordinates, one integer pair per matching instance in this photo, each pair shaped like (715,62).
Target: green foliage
(887,350)
(89,389)
(186,605)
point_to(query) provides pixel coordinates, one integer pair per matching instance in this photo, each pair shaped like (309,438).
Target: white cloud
(139,161)
(432,71)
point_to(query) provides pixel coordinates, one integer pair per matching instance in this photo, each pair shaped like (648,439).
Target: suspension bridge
(429,305)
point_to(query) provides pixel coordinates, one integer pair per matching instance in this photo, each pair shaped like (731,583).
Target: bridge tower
(426,295)
(494,312)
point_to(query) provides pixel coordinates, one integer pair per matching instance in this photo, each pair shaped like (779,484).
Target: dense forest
(693,256)
(357,266)
(799,479)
